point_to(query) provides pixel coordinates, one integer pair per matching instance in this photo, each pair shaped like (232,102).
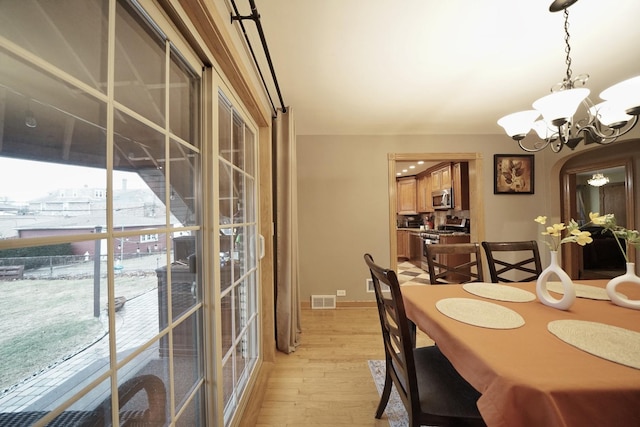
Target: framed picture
(513,174)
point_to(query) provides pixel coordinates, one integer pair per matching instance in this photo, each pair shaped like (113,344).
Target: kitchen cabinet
(441,178)
(406,193)
(403,243)
(460,184)
(425,203)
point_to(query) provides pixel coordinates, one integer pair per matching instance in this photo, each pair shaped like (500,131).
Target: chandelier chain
(568,82)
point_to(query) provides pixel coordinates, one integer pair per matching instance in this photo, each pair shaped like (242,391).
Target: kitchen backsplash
(434,219)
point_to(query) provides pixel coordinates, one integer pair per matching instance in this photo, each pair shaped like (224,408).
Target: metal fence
(83,266)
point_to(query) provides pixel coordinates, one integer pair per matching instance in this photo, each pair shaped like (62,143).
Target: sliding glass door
(100,220)
(238,290)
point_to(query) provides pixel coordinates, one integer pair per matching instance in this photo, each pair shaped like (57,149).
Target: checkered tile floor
(410,274)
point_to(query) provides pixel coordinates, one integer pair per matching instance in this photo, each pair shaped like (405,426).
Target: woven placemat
(582,291)
(499,292)
(608,342)
(480,313)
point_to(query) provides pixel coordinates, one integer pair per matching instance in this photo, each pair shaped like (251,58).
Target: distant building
(143,243)
(83,210)
(87,201)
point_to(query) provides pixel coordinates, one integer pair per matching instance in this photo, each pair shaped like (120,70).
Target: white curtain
(286,195)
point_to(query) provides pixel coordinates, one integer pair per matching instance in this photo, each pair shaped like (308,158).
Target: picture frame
(513,174)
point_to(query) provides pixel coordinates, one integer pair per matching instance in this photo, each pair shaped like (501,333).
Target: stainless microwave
(442,199)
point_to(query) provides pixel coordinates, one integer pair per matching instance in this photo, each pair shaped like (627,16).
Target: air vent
(323,301)
(370,288)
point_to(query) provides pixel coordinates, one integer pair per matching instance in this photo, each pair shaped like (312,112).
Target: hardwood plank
(326,381)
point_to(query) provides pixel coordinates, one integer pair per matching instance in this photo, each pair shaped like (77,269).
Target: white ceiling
(431,66)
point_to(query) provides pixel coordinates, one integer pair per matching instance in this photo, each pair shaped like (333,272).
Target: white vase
(629,277)
(569,290)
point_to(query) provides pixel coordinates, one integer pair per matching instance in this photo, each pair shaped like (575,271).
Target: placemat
(608,342)
(582,291)
(499,292)
(480,313)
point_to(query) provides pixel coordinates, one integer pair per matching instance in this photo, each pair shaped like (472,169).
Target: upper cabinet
(414,194)
(407,195)
(424,193)
(441,178)
(460,185)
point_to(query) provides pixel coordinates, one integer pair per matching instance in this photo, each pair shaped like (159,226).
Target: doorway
(476,204)
(602,259)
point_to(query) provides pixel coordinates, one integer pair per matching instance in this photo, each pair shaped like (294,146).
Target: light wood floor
(326,381)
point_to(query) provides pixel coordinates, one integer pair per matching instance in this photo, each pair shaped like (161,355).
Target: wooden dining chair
(432,391)
(511,262)
(454,263)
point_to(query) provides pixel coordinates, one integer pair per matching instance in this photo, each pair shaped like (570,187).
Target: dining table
(533,364)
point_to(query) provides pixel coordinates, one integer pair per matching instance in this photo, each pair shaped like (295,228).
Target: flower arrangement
(555,234)
(608,222)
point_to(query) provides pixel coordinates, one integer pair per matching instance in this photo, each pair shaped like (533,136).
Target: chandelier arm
(604,138)
(557,145)
(536,146)
(565,137)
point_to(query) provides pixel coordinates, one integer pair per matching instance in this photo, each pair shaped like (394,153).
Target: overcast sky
(22,180)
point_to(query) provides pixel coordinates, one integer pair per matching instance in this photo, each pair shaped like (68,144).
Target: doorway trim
(476,190)
(571,256)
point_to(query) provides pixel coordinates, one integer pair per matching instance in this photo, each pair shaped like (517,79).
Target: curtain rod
(255,17)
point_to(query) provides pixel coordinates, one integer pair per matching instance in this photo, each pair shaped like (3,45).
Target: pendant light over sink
(567,116)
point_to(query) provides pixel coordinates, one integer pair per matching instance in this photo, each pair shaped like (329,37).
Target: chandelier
(602,123)
(598,180)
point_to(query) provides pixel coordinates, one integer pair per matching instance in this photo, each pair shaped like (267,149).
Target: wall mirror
(602,191)
(604,187)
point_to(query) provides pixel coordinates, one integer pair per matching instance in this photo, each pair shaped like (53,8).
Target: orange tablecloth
(528,376)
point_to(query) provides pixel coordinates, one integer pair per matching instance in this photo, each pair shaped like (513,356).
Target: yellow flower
(541,219)
(628,237)
(596,219)
(582,237)
(555,232)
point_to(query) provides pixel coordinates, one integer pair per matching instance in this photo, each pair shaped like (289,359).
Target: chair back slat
(511,262)
(454,263)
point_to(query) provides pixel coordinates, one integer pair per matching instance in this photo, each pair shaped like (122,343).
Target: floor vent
(323,301)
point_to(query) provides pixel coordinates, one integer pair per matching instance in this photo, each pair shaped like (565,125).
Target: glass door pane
(238,264)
